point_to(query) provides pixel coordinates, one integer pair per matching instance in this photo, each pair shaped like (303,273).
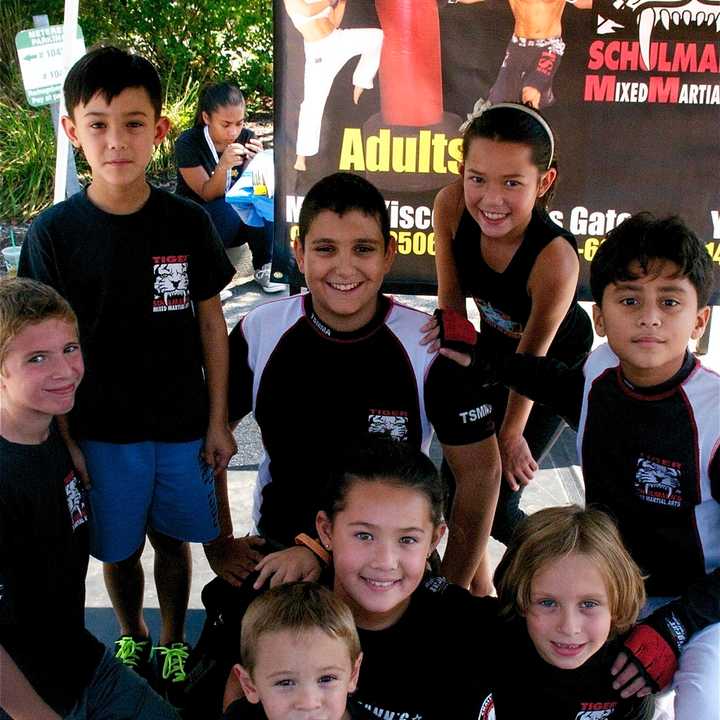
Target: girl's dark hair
(516,124)
(214,96)
(391,462)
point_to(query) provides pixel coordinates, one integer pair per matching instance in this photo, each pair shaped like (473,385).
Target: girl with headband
(496,244)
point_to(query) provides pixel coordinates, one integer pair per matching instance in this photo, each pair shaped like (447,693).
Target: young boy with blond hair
(300,655)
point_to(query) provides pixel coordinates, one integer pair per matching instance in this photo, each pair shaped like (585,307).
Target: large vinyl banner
(379,87)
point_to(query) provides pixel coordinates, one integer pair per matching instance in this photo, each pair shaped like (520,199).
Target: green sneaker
(171,661)
(136,653)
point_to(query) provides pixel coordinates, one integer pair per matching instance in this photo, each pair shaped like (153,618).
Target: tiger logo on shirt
(172,284)
(658,481)
(392,424)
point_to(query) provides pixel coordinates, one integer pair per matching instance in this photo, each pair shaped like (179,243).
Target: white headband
(482,106)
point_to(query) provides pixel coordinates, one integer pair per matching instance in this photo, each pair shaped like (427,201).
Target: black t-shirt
(503,299)
(134,282)
(192,150)
(528,687)
(315,392)
(43,562)
(437,662)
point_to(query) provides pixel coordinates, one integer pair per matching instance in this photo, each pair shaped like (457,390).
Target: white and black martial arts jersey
(315,391)
(651,456)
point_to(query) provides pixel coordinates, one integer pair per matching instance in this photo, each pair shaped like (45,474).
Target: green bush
(27,157)
(180,108)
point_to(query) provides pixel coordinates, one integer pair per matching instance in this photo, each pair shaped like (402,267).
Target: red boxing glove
(456,331)
(653,654)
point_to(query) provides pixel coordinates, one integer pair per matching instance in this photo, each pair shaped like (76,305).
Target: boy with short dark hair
(300,654)
(50,665)
(142,269)
(646,412)
(347,364)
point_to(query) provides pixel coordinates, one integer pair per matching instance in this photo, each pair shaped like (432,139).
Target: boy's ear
(701,321)
(246,682)
(162,127)
(355,674)
(299,251)
(598,320)
(390,252)
(70,130)
(323,525)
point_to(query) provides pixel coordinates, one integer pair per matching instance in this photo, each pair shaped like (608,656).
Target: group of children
(137,273)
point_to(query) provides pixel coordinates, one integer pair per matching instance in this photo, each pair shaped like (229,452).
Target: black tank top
(503,299)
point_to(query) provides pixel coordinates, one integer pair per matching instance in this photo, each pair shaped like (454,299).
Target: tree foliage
(206,40)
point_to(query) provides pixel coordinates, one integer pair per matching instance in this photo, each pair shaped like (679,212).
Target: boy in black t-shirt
(143,270)
(43,529)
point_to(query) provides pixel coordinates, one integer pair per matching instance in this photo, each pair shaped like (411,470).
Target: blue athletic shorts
(167,487)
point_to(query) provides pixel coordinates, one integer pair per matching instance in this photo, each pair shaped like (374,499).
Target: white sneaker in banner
(225,295)
(262,278)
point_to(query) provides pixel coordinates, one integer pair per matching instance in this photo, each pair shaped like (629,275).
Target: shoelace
(129,650)
(174,663)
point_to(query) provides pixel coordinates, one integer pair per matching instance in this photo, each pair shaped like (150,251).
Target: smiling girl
(569,589)
(496,244)
(382,519)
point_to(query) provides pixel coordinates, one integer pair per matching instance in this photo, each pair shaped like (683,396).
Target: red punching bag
(410,68)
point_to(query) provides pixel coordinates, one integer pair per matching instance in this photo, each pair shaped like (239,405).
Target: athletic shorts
(528,63)
(167,487)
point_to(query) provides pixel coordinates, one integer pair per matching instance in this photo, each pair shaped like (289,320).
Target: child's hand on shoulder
(284,566)
(233,559)
(629,677)
(219,447)
(649,655)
